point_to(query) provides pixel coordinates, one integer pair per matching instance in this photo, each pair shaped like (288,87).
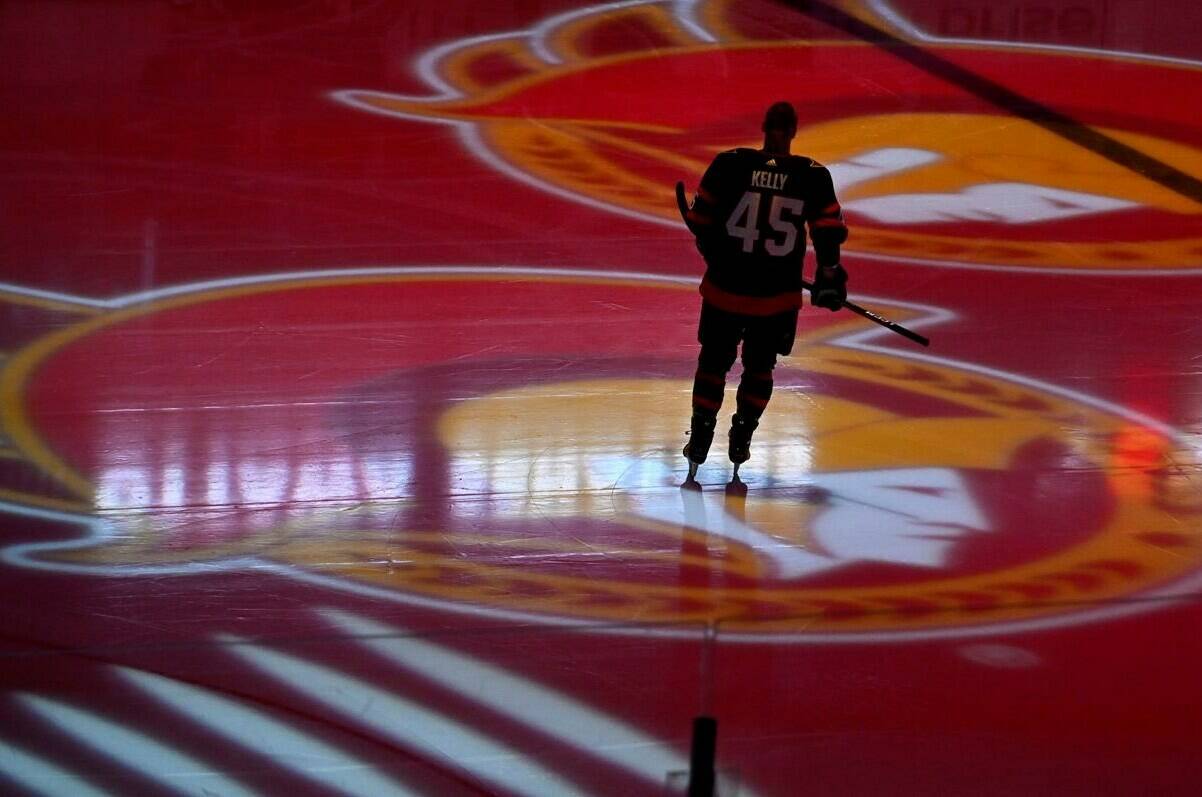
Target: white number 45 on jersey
(784,214)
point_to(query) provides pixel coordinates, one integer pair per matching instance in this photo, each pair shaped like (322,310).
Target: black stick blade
(682,204)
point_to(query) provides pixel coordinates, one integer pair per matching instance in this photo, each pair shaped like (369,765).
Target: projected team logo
(611,106)
(537,476)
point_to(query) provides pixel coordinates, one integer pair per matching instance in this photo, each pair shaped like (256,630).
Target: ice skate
(741,430)
(701,435)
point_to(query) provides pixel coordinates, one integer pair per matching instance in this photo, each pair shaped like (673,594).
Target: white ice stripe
(386,594)
(29,554)
(877,163)
(40,555)
(422,729)
(544,709)
(42,777)
(426,65)
(686,14)
(158,762)
(1012,203)
(534,272)
(287,748)
(38,293)
(390,271)
(42,513)
(356,98)
(910,30)
(964,265)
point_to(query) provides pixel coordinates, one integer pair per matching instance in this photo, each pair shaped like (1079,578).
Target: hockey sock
(707,391)
(755,388)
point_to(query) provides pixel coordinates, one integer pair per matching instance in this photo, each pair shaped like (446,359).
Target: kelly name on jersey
(774,181)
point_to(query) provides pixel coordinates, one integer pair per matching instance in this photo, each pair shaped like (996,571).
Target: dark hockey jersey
(750,215)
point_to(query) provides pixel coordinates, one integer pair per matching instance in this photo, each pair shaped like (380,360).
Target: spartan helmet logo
(961,182)
(856,512)
(909,517)
(884,501)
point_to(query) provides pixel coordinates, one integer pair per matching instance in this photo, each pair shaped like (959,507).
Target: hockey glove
(830,287)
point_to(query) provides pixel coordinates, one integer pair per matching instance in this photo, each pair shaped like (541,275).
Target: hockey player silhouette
(749,217)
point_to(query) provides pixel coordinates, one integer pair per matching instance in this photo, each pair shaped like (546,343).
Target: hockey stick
(682,204)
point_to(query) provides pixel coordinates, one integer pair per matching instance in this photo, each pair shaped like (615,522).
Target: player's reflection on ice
(724,524)
(709,550)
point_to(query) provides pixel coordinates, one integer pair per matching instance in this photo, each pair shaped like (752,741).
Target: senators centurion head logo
(536,477)
(611,105)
